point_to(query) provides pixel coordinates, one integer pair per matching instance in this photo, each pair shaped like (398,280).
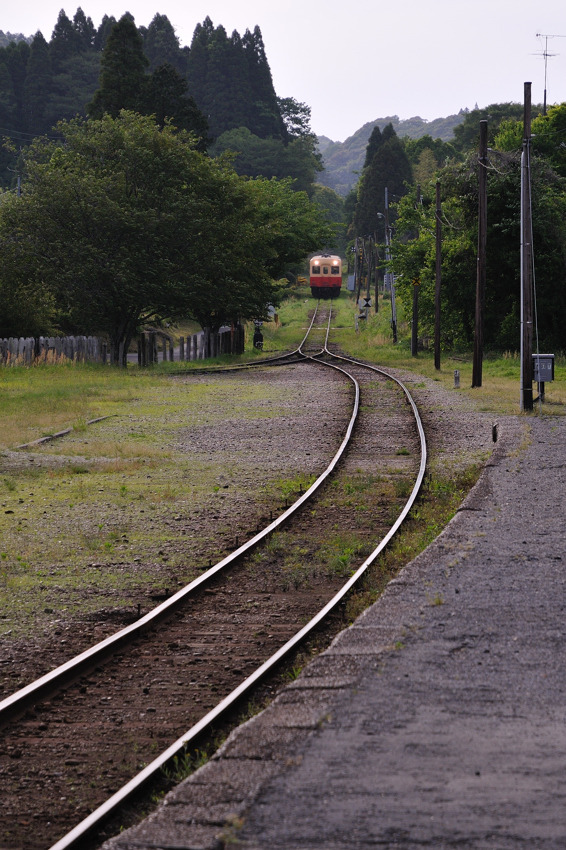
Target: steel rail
(17,702)
(103,812)
(265,361)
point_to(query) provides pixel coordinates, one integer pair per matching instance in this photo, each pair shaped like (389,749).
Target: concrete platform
(438,719)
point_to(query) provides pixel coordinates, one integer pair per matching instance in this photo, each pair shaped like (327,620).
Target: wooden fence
(25,351)
(199,346)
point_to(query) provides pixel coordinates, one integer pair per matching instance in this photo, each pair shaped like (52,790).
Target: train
(325,275)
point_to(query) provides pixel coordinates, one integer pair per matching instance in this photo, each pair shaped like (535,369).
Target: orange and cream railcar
(325,275)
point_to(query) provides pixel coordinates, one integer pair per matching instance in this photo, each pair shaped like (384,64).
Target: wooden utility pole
(437,279)
(481,270)
(388,273)
(526,261)
(416,282)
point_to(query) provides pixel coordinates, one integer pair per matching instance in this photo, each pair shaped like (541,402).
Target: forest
(223,77)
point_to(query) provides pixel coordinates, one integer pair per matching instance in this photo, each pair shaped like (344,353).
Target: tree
(296,117)
(84,29)
(374,143)
(37,88)
(256,157)
(161,45)
(414,252)
(229,78)
(108,221)
(122,71)
(126,223)
(389,168)
(333,207)
(466,134)
(266,119)
(167,98)
(64,41)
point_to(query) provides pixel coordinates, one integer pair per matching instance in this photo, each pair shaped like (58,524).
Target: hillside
(344,160)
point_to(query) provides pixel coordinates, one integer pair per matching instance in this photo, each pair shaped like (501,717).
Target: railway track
(130,697)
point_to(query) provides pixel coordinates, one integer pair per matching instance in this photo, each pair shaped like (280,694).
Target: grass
(438,501)
(127,490)
(499,393)
(115,485)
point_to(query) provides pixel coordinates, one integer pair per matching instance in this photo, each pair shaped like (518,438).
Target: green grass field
(44,399)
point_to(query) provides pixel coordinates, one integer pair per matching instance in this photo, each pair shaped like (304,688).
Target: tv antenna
(546,56)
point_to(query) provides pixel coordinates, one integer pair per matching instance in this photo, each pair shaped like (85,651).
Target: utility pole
(358,268)
(370,266)
(416,284)
(481,270)
(526,261)
(437,279)
(388,274)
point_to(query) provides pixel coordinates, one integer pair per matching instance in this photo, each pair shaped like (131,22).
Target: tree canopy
(122,222)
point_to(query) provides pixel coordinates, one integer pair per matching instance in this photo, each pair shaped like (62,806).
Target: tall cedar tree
(389,168)
(39,80)
(266,117)
(161,45)
(168,98)
(122,72)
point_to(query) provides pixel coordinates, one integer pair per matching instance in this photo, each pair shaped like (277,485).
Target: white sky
(354,62)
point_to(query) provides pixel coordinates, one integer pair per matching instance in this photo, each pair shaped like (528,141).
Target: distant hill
(344,160)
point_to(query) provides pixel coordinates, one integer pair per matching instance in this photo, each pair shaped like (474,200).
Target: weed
(293,674)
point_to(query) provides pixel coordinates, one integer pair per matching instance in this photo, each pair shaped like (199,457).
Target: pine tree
(103,32)
(16,58)
(7,96)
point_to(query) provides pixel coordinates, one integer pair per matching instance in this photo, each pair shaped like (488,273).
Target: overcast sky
(352,62)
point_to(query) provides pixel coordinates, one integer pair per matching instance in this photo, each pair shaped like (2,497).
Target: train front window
(325,270)
(315,270)
(335,270)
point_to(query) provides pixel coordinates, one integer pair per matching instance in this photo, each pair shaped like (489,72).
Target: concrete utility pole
(526,261)
(437,279)
(481,271)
